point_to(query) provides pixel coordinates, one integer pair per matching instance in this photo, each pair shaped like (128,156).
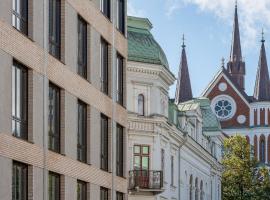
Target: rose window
(223,109)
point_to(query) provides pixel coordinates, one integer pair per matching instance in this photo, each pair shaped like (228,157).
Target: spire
(236,54)
(236,65)
(262,85)
(183,89)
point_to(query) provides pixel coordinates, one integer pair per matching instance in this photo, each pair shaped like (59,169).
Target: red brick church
(239,112)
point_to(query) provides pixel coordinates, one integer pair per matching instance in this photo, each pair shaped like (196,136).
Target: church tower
(236,65)
(262,85)
(183,89)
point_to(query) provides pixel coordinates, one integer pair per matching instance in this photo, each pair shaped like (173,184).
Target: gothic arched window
(196,189)
(201,188)
(190,187)
(141,104)
(262,149)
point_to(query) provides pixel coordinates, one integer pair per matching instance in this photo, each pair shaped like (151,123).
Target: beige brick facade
(43,68)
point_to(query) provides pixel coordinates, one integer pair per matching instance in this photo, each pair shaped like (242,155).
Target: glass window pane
(145,163)
(145,150)
(137,149)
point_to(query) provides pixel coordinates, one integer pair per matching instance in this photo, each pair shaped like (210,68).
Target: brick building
(62,102)
(239,112)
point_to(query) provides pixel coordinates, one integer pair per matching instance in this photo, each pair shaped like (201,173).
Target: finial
(222,62)
(263,40)
(236,4)
(183,39)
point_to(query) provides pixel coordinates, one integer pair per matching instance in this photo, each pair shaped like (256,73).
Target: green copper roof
(142,47)
(210,121)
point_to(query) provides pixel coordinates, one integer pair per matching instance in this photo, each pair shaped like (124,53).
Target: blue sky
(207,25)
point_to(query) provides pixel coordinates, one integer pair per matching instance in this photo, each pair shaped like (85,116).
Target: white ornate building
(174,147)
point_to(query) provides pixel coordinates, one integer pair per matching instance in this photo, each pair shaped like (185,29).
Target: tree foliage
(242,179)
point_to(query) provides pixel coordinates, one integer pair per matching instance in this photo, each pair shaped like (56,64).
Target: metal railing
(145,179)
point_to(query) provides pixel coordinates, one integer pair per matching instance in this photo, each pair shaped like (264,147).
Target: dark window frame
(82,47)
(105,8)
(20,15)
(55,28)
(120,79)
(141,155)
(54,118)
(119,196)
(119,150)
(172,170)
(83,194)
(57,190)
(19,120)
(104,62)
(141,104)
(121,22)
(104,152)
(24,179)
(104,192)
(82,132)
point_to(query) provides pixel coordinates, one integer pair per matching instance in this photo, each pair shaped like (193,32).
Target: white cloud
(253,15)
(132,11)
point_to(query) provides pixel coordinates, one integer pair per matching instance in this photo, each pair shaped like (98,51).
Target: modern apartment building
(62,102)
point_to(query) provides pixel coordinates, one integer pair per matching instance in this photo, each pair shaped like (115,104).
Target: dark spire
(262,85)
(183,89)
(236,65)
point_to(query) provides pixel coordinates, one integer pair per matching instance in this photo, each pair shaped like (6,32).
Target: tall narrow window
(104,143)
(54,118)
(54,186)
(82,132)
(81,190)
(141,104)
(121,15)
(262,148)
(82,47)
(105,6)
(19,101)
(20,15)
(141,157)
(202,192)
(104,66)
(163,162)
(119,196)
(19,181)
(191,187)
(55,28)
(119,151)
(104,193)
(120,82)
(172,170)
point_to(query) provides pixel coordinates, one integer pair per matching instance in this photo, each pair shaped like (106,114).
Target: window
(119,196)
(141,104)
(104,66)
(55,28)
(82,47)
(196,189)
(190,187)
(54,118)
(163,162)
(82,132)
(19,101)
(105,6)
(121,15)
(54,186)
(20,15)
(19,181)
(119,151)
(120,79)
(262,148)
(202,192)
(104,143)
(104,193)
(172,170)
(141,157)
(81,190)
(224,107)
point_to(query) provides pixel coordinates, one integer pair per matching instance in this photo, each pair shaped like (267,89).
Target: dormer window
(141,104)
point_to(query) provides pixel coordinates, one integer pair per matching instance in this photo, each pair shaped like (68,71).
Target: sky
(207,25)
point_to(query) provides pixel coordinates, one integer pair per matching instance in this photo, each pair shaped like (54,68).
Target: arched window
(262,148)
(255,147)
(202,192)
(141,104)
(196,189)
(248,140)
(190,187)
(268,149)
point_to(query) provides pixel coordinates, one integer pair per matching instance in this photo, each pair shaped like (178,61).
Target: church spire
(183,89)
(262,85)
(236,66)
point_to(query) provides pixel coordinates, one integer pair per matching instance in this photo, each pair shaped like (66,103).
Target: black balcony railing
(145,179)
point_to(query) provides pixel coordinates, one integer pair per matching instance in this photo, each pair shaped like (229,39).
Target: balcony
(146,181)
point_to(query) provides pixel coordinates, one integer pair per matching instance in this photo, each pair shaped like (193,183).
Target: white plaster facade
(190,148)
